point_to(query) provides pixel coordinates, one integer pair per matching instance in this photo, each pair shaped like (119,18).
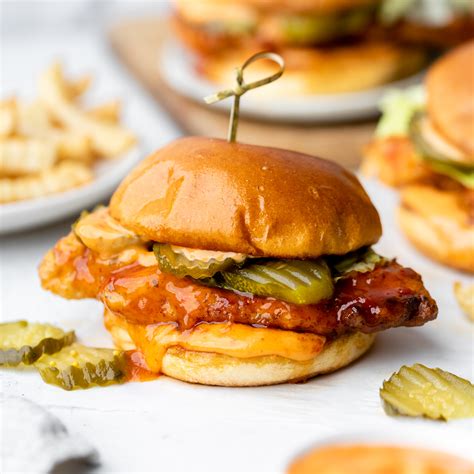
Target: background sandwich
(425,144)
(324,43)
(232,264)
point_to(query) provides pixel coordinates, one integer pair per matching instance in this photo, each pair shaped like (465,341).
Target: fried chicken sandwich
(424,144)
(324,43)
(238,265)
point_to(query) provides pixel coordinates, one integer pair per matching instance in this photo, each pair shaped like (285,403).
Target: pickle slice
(294,281)
(100,232)
(23,342)
(182,261)
(78,366)
(308,29)
(432,393)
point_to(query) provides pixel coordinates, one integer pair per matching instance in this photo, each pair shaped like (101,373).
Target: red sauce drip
(136,369)
(386,297)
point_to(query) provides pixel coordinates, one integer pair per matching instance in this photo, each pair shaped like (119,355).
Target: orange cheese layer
(236,340)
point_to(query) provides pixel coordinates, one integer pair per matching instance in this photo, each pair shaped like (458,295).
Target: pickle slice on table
(294,281)
(195,263)
(78,366)
(23,342)
(432,393)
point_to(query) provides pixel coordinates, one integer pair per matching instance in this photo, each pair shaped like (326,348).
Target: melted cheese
(235,340)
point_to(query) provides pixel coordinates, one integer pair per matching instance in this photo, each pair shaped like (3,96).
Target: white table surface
(166,425)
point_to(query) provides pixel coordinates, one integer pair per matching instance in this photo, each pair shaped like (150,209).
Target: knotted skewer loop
(241,88)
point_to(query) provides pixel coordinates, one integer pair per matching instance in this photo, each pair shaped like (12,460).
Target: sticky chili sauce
(136,369)
(235,340)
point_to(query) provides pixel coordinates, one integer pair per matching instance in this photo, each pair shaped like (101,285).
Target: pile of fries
(51,144)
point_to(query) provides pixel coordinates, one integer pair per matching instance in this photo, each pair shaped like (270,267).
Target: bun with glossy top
(450,97)
(210,194)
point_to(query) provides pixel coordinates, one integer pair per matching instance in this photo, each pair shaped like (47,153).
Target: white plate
(31,213)
(177,69)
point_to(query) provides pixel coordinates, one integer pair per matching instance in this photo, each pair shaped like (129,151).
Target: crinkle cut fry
(64,176)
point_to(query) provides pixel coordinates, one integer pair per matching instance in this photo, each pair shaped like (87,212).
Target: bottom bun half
(434,222)
(218,369)
(360,66)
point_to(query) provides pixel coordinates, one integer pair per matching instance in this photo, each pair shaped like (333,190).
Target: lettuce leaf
(361,261)
(464,175)
(398,108)
(434,12)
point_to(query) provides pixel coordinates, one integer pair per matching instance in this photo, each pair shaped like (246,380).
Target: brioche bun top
(210,194)
(198,11)
(450,97)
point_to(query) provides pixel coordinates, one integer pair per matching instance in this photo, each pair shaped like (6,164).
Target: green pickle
(78,366)
(194,263)
(295,281)
(23,342)
(100,232)
(433,393)
(300,29)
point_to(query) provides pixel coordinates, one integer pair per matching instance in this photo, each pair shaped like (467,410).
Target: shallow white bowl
(32,213)
(176,66)
(434,436)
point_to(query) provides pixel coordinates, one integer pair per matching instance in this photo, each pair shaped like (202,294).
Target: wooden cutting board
(138,43)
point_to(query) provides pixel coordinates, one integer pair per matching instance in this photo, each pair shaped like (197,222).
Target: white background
(166,425)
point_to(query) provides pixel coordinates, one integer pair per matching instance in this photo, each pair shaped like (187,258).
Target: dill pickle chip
(23,342)
(100,232)
(433,393)
(78,366)
(294,281)
(182,261)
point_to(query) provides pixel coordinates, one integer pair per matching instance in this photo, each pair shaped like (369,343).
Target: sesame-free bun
(450,97)
(318,70)
(217,369)
(206,10)
(435,222)
(213,368)
(210,194)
